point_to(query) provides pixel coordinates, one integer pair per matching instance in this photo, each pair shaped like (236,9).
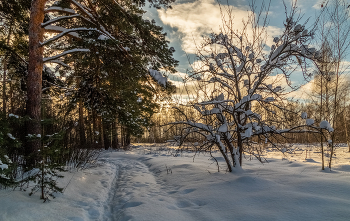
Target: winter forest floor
(149,183)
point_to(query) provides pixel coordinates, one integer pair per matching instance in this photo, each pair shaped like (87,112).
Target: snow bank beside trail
(85,198)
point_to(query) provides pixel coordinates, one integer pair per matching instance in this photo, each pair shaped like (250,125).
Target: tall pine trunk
(34,79)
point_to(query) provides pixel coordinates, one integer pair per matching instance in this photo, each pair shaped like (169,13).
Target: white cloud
(303,93)
(193,20)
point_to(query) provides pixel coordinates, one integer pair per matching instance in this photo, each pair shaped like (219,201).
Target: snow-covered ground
(149,183)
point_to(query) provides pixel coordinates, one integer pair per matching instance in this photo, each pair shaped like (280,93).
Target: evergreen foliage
(100,86)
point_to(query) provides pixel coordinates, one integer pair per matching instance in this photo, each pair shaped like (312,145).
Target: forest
(79,77)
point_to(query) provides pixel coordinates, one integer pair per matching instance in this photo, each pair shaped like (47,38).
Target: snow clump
(102,38)
(158,77)
(13,115)
(310,122)
(304,115)
(3,166)
(325,125)
(10,136)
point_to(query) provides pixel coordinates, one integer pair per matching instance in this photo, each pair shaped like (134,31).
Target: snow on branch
(49,59)
(58,29)
(325,125)
(85,14)
(59,62)
(157,76)
(59,19)
(67,31)
(60,9)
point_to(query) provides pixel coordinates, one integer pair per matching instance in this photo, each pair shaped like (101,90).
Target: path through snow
(138,195)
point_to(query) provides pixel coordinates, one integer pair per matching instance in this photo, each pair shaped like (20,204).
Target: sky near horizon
(189,20)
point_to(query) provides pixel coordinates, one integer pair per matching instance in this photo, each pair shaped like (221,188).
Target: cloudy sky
(189,20)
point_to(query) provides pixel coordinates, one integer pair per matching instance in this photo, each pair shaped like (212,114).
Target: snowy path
(138,195)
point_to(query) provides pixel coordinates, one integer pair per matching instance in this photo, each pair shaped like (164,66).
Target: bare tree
(331,84)
(237,70)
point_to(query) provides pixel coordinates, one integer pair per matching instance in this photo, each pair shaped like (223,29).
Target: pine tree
(119,53)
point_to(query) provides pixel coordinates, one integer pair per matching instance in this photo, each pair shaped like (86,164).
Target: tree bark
(346,127)
(81,119)
(34,80)
(90,131)
(101,138)
(322,152)
(106,135)
(115,142)
(94,127)
(81,124)
(240,146)
(4,98)
(11,99)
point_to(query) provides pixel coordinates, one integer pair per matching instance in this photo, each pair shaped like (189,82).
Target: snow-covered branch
(67,31)
(157,76)
(59,19)
(58,62)
(53,58)
(60,9)
(58,29)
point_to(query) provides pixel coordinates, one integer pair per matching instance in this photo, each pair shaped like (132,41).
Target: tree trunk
(106,133)
(240,150)
(34,79)
(346,126)
(102,140)
(321,113)
(4,99)
(122,136)
(115,141)
(82,139)
(322,152)
(91,133)
(81,124)
(331,155)
(128,139)
(94,127)
(11,99)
